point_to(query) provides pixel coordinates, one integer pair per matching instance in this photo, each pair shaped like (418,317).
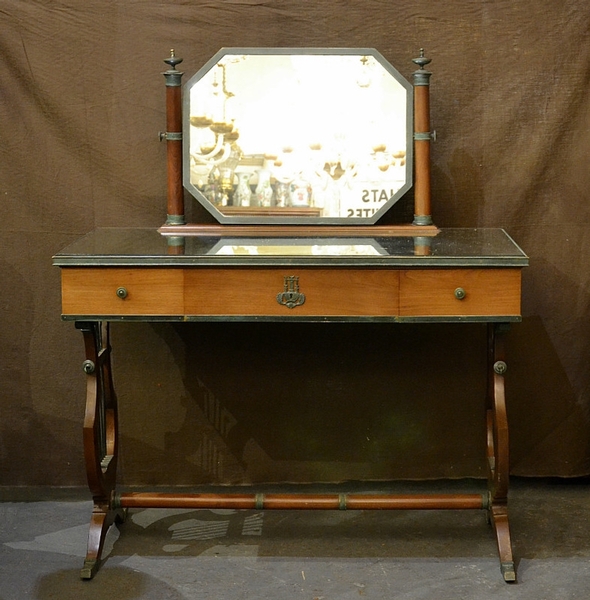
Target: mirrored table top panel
(148,247)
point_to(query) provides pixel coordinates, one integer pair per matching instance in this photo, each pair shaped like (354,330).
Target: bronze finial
(421,61)
(173,60)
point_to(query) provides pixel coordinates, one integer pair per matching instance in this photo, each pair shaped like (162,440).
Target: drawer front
(291,292)
(121,291)
(460,292)
(305,292)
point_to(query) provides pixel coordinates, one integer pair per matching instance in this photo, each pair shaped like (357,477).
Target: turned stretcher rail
(303,501)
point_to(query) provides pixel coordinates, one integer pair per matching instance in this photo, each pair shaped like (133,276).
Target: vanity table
(277,261)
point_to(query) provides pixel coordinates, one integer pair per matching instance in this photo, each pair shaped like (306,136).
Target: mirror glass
(297,136)
(303,247)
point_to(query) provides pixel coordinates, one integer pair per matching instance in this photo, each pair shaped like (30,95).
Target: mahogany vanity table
(287,265)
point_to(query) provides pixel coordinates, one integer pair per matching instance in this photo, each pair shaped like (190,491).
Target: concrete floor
(229,555)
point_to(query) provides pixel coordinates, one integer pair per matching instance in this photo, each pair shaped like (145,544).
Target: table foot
(499,519)
(89,569)
(508,572)
(101,521)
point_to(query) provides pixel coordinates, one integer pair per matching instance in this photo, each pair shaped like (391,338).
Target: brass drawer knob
(122,293)
(460,293)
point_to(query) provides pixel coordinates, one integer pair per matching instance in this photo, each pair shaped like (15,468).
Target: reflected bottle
(282,195)
(243,193)
(264,191)
(326,194)
(211,189)
(300,192)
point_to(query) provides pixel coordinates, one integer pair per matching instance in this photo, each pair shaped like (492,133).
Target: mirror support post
(422,138)
(173,137)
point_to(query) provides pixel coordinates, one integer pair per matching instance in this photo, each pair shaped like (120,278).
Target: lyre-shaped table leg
(497,449)
(100,438)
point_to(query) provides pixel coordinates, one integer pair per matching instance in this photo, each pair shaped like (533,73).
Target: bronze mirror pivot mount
(283,136)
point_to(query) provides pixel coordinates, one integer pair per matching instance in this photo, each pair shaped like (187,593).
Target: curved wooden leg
(498,451)
(100,439)
(102,518)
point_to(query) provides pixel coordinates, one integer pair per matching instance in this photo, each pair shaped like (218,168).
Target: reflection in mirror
(297,136)
(349,247)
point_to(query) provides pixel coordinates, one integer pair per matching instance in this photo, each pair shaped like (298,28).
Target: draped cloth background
(82,101)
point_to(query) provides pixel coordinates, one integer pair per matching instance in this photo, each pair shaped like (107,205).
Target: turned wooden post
(173,137)
(422,137)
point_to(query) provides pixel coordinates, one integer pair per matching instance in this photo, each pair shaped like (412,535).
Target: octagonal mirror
(318,136)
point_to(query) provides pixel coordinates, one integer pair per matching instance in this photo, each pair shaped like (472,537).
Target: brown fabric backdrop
(82,101)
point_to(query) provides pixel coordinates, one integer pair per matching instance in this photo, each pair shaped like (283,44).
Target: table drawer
(460,292)
(122,291)
(291,292)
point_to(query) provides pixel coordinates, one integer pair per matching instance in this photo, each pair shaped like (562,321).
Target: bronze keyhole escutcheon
(291,296)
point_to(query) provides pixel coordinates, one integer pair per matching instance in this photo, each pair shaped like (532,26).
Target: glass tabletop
(148,247)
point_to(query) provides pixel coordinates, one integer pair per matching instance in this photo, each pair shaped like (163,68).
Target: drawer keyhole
(291,296)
